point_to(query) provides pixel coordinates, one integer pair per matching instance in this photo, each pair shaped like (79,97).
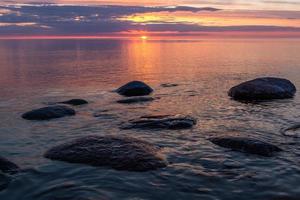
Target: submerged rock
(75,102)
(293,131)
(4,181)
(50,112)
(169,85)
(135,88)
(267,88)
(120,153)
(285,197)
(161,122)
(246,145)
(8,167)
(135,100)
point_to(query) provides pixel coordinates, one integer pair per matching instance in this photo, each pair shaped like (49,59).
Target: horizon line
(169,35)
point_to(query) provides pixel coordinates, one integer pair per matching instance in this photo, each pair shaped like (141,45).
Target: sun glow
(144,37)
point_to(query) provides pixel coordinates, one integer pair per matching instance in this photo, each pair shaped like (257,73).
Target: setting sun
(144,37)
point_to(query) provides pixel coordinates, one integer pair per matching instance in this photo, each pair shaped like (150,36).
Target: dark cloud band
(52,19)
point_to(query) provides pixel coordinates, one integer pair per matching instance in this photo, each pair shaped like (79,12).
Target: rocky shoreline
(131,154)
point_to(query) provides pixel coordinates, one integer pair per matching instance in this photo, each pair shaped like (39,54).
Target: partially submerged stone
(135,100)
(292,131)
(169,85)
(120,153)
(75,102)
(246,145)
(7,166)
(50,112)
(173,122)
(267,88)
(135,88)
(4,181)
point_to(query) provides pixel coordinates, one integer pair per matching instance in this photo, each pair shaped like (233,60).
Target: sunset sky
(140,17)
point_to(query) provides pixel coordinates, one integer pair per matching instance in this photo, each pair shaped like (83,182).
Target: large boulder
(75,102)
(246,145)
(50,112)
(120,153)
(135,100)
(8,167)
(173,122)
(267,88)
(135,88)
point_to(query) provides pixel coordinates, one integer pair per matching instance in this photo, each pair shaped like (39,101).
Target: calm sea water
(36,72)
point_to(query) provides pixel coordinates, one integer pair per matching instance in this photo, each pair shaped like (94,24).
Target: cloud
(53,19)
(224,4)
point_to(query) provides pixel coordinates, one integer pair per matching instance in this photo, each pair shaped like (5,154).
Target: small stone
(169,85)
(174,122)
(135,100)
(135,88)
(4,181)
(293,131)
(246,145)
(8,167)
(75,102)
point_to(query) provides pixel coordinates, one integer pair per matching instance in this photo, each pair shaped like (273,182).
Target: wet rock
(50,112)
(267,88)
(75,102)
(8,167)
(246,145)
(4,181)
(135,88)
(120,153)
(135,100)
(174,122)
(285,197)
(155,116)
(293,131)
(169,85)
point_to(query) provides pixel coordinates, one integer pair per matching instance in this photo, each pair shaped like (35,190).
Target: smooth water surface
(34,73)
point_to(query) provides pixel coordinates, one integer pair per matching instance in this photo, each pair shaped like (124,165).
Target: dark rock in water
(267,88)
(169,85)
(8,167)
(161,122)
(50,112)
(135,88)
(120,153)
(135,100)
(293,131)
(75,102)
(155,116)
(285,198)
(4,181)
(246,145)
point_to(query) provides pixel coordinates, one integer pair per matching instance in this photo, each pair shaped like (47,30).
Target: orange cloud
(220,18)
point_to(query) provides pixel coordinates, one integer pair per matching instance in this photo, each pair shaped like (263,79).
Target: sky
(268,18)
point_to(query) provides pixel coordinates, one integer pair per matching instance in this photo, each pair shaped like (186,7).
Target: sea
(35,73)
